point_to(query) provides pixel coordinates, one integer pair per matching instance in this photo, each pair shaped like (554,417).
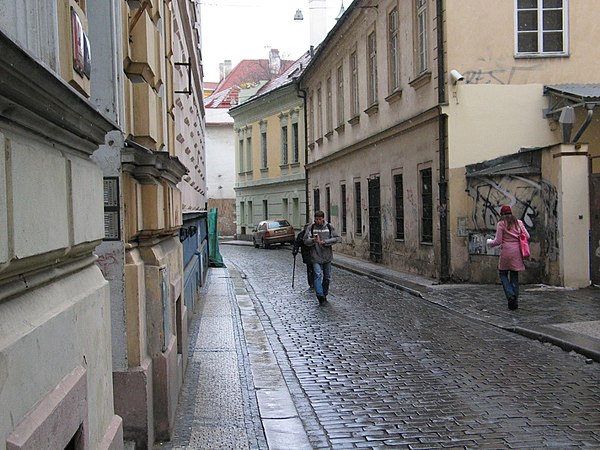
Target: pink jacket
(510,253)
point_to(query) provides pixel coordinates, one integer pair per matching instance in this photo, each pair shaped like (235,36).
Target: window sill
(541,55)
(329,134)
(354,120)
(373,109)
(340,128)
(421,80)
(319,141)
(264,170)
(295,164)
(394,96)
(284,166)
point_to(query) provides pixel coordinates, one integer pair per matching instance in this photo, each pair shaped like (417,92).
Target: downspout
(443,147)
(303,96)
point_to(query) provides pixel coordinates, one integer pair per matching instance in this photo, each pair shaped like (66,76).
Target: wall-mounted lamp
(566,121)
(455,76)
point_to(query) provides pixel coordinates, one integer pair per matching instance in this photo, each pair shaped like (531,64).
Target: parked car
(274,231)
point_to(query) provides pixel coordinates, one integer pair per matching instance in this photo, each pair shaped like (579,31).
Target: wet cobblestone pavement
(376,367)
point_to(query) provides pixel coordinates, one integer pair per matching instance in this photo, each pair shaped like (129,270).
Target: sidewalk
(568,318)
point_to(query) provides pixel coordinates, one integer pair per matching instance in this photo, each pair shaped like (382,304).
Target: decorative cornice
(148,166)
(33,97)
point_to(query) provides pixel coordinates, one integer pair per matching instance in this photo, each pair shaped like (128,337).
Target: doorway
(375,248)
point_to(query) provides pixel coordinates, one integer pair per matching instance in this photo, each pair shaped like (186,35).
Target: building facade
(55,310)
(270,153)
(425,117)
(236,86)
(154,173)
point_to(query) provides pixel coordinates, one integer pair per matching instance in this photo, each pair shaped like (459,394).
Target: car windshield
(279,224)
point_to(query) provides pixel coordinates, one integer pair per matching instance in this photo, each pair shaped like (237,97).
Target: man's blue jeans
(510,283)
(322,278)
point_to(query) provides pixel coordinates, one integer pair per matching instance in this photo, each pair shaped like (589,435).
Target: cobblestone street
(377,367)
(380,367)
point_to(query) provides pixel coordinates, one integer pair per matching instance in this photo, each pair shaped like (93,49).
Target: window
(296,211)
(285,211)
(284,145)
(399,198)
(329,107)
(372,68)
(541,27)
(316,200)
(343,207)
(311,118)
(242,212)
(421,36)
(241,155)
(354,85)
(328,203)
(263,146)
(340,96)
(248,154)
(295,149)
(319,114)
(250,214)
(265,209)
(394,50)
(357,208)
(426,206)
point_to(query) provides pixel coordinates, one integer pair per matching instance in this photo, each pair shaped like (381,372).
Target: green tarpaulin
(214,257)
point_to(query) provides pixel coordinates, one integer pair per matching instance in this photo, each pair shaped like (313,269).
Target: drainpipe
(302,94)
(443,147)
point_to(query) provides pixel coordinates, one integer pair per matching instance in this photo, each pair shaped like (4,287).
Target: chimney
(317,10)
(274,62)
(224,69)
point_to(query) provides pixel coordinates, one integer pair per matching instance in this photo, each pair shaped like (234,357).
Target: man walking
(319,237)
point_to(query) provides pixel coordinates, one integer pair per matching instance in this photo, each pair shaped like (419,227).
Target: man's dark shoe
(321,298)
(513,303)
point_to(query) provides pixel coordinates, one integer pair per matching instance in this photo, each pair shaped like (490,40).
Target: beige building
(154,172)
(425,117)
(102,136)
(56,385)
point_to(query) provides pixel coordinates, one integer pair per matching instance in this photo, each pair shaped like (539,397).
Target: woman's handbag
(524,245)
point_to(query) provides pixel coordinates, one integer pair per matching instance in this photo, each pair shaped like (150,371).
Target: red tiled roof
(245,75)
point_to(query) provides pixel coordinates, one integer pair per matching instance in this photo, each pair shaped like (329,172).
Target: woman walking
(508,230)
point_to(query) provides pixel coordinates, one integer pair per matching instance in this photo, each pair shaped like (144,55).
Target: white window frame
(372,68)
(540,31)
(340,95)
(354,88)
(394,49)
(421,37)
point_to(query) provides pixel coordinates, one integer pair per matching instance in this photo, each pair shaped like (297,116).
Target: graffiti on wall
(533,201)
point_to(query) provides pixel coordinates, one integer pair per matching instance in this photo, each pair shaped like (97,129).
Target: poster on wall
(81,47)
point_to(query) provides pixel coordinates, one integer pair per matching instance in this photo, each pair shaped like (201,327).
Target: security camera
(455,76)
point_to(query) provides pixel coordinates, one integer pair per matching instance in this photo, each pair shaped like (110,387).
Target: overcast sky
(248,29)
